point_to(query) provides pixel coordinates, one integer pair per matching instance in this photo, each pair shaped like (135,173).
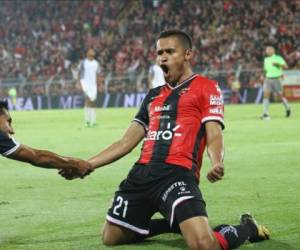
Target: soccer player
(88,77)
(41,158)
(177,121)
(273,66)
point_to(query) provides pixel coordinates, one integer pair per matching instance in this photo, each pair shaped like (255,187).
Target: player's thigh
(198,234)
(129,214)
(277,87)
(267,88)
(115,235)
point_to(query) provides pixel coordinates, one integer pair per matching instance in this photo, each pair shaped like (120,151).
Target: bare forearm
(114,152)
(215,144)
(215,149)
(47,159)
(42,158)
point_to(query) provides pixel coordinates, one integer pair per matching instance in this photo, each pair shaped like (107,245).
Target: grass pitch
(40,210)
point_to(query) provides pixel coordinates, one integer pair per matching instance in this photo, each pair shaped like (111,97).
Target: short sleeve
(213,104)
(142,115)
(98,68)
(7,144)
(281,61)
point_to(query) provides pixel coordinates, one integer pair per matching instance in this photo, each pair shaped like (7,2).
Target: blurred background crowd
(41,42)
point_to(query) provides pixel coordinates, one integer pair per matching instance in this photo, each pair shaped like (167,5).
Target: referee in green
(273,66)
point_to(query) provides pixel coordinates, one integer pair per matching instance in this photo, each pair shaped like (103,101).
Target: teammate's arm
(133,135)
(215,149)
(47,159)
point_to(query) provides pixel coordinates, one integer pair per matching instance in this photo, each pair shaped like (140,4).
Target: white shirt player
(88,77)
(157,76)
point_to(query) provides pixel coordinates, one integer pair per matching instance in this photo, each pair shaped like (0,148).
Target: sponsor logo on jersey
(162,108)
(217,111)
(166,134)
(216,100)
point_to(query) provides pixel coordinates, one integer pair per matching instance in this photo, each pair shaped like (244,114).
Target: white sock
(93,116)
(86,115)
(266,104)
(285,103)
(90,116)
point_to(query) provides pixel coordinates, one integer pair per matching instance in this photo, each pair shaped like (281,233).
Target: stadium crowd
(45,39)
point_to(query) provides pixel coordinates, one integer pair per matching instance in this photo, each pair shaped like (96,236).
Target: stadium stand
(45,38)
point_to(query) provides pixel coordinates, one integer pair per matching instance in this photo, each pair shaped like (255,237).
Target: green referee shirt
(272,71)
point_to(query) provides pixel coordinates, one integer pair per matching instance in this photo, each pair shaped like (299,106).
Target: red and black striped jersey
(174,120)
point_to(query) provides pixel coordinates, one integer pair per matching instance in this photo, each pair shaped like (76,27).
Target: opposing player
(41,158)
(177,121)
(273,66)
(88,77)
(156,76)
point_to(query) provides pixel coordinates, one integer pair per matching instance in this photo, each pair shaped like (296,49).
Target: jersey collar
(183,82)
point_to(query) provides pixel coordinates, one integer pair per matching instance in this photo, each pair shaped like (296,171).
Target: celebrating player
(88,74)
(177,121)
(273,65)
(41,158)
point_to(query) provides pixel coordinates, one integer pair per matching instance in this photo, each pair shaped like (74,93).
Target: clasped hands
(77,168)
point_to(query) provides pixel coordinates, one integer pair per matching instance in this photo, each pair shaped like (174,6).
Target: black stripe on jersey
(161,148)
(199,138)
(143,114)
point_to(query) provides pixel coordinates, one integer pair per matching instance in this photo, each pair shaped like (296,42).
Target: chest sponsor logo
(166,134)
(216,100)
(162,108)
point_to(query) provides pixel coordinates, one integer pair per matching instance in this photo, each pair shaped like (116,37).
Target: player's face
(172,58)
(270,51)
(6,123)
(91,53)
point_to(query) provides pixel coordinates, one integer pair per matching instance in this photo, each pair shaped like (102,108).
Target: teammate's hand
(216,173)
(77,169)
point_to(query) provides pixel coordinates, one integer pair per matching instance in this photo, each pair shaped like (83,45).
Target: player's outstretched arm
(47,159)
(215,149)
(133,135)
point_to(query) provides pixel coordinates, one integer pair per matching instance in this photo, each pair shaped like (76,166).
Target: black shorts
(171,190)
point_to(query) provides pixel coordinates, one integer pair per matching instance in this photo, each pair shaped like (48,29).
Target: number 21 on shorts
(120,205)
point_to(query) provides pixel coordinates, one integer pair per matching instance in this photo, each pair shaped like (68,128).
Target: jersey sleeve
(98,68)
(7,144)
(281,61)
(212,104)
(142,116)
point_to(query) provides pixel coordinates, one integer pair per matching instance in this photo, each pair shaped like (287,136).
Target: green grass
(40,210)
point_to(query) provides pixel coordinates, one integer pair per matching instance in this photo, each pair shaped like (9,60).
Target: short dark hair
(3,105)
(182,36)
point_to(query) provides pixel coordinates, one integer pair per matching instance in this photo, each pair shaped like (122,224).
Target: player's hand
(77,169)
(216,173)
(278,65)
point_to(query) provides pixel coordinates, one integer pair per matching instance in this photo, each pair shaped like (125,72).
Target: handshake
(76,168)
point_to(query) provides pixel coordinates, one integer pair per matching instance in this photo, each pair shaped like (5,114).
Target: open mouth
(165,69)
